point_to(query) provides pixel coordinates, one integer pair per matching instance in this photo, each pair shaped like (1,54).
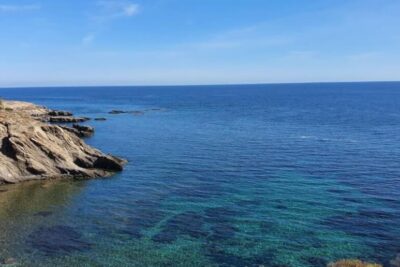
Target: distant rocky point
(134,112)
(33,148)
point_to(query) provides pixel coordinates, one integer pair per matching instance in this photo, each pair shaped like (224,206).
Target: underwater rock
(220,214)
(225,259)
(59,239)
(100,119)
(222,231)
(147,215)
(316,261)
(187,223)
(281,207)
(43,213)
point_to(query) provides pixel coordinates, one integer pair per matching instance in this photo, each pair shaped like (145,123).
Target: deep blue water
(249,175)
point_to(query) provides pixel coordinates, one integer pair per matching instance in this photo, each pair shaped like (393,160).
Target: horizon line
(193,85)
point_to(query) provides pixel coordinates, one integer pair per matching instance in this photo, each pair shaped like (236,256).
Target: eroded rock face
(33,150)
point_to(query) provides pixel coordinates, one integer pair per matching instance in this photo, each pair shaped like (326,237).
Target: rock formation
(31,149)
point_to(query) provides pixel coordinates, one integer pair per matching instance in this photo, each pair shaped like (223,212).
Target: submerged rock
(100,119)
(187,223)
(33,150)
(59,239)
(43,214)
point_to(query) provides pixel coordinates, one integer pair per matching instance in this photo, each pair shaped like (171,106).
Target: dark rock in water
(281,207)
(132,231)
(370,224)
(220,214)
(67,119)
(79,130)
(59,239)
(135,112)
(59,113)
(222,231)
(147,215)
(100,119)
(225,259)
(117,112)
(165,237)
(109,163)
(43,213)
(187,223)
(316,261)
(84,131)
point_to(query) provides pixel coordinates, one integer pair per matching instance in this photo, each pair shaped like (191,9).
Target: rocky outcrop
(64,119)
(58,113)
(32,150)
(134,112)
(42,113)
(80,130)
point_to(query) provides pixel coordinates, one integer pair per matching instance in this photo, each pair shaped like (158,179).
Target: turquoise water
(273,175)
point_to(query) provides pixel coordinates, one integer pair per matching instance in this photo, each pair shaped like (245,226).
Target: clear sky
(109,42)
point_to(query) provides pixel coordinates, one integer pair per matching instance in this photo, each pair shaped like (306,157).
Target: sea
(227,175)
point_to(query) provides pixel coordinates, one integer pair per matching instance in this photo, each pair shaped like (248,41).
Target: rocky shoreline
(34,147)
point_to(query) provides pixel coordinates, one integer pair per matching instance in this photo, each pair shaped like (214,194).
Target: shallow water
(279,175)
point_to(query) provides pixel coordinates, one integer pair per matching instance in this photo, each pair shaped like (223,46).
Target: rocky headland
(33,147)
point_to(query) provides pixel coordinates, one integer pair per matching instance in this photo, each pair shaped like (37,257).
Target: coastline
(40,144)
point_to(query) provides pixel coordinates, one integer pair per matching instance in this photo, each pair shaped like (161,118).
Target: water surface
(279,175)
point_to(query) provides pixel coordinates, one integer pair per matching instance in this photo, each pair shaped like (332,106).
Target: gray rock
(66,119)
(117,112)
(59,113)
(33,150)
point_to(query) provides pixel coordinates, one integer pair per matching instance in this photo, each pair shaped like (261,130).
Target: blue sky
(143,42)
